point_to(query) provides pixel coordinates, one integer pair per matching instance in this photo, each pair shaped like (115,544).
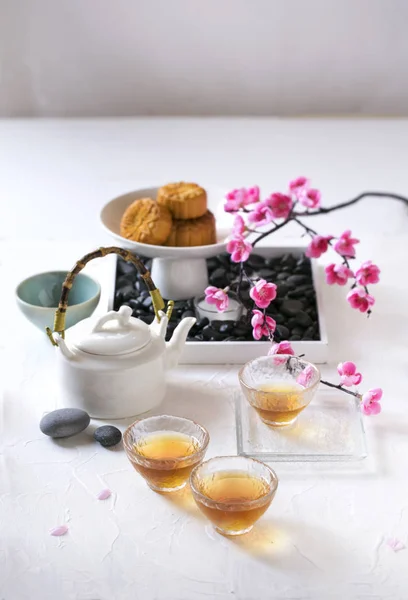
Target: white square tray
(241,352)
(331,428)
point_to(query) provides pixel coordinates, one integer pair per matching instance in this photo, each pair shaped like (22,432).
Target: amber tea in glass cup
(233,492)
(165,449)
(279,387)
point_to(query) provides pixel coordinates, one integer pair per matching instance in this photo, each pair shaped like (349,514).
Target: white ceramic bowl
(112,212)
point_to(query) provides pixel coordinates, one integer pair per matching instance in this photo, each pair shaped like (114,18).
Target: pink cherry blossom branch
(341,388)
(266,233)
(325,210)
(277,210)
(369,401)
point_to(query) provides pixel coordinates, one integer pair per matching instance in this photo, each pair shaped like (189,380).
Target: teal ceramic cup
(38,296)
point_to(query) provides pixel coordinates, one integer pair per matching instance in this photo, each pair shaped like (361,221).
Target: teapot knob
(122,316)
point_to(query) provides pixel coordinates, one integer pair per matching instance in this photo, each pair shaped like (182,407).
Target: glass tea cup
(233,492)
(165,449)
(279,387)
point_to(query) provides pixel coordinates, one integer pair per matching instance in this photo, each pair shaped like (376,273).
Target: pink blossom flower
(305,377)
(310,198)
(237,199)
(104,494)
(214,295)
(359,299)
(338,274)
(368,273)
(396,545)
(318,246)
(239,249)
(60,530)
(280,204)
(297,186)
(281,348)
(261,215)
(348,375)
(262,325)
(345,244)
(263,293)
(370,402)
(279,359)
(239,226)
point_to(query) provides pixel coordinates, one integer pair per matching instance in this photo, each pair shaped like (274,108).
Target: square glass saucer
(330,429)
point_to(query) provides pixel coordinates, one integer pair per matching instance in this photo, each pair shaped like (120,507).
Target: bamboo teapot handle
(60,313)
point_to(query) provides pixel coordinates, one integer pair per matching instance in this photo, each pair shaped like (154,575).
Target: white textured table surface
(325,535)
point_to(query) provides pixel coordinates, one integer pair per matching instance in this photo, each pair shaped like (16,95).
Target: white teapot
(115,366)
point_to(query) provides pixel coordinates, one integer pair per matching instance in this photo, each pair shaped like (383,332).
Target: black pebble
(280,319)
(273,262)
(227,327)
(147,302)
(245,296)
(283,332)
(288,260)
(294,308)
(208,332)
(128,292)
(294,338)
(148,319)
(303,319)
(282,290)
(202,323)
(224,259)
(170,328)
(291,307)
(267,274)
(218,336)
(255,261)
(219,278)
(108,435)
(133,303)
(298,279)
(187,313)
(123,280)
(212,263)
(126,268)
(311,331)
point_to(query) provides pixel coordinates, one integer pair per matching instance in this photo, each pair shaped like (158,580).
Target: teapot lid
(114,334)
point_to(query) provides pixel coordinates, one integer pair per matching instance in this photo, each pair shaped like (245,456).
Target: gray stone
(108,435)
(64,422)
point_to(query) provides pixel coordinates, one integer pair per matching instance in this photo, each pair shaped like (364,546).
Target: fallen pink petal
(104,494)
(58,531)
(396,545)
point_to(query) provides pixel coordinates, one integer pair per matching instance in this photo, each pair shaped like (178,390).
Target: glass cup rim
(273,486)
(131,452)
(305,362)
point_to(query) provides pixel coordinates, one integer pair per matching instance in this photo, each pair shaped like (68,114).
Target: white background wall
(174,57)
